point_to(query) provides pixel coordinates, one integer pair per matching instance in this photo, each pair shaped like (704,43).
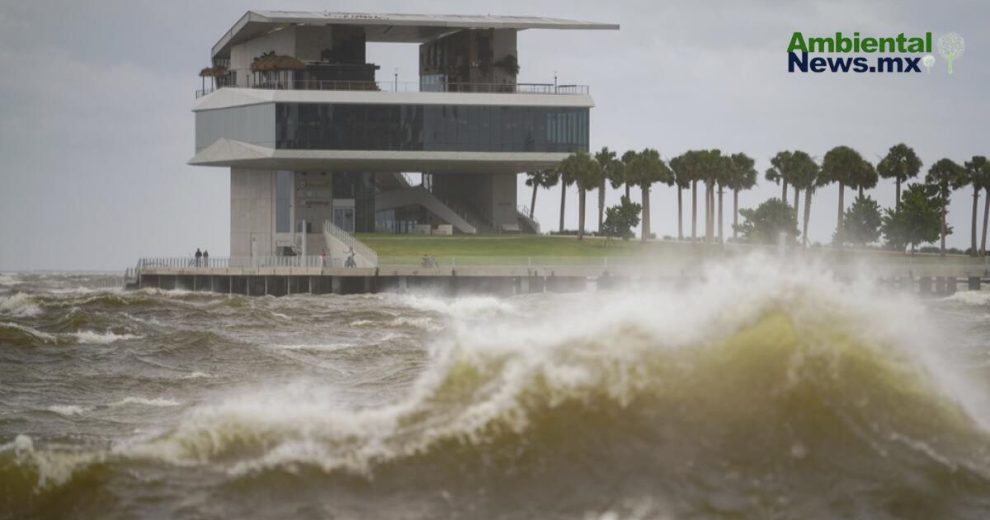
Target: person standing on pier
(199,256)
(206,258)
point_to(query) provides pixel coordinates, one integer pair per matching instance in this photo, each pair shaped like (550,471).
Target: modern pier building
(317,148)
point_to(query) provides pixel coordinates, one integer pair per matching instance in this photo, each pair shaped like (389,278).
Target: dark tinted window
(453,128)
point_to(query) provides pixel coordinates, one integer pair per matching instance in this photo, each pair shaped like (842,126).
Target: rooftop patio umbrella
(276,63)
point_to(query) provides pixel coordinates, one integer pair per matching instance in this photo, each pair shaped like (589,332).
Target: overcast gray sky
(96,128)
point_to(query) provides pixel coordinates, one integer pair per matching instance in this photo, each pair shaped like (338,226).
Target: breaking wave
(747,396)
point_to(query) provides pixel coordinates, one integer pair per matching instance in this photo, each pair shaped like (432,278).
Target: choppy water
(766,391)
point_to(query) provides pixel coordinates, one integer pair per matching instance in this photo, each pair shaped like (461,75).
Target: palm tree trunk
(945,211)
(601,204)
(708,211)
(861,191)
(897,193)
(532,204)
(680,214)
(582,195)
(627,190)
(976,201)
(842,204)
(783,191)
(711,212)
(735,212)
(646,211)
(694,210)
(797,204)
(807,213)
(986,211)
(721,237)
(563,199)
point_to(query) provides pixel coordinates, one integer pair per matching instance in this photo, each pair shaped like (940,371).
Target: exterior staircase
(419,196)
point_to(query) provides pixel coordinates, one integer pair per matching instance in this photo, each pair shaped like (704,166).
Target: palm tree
(606,163)
(540,179)
(646,169)
(587,175)
(947,176)
(984,179)
(711,166)
(845,166)
(682,179)
(803,175)
(975,171)
(900,164)
(777,173)
(742,177)
(627,158)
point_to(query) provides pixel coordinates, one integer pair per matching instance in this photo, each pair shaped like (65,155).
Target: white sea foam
(89,337)
(323,346)
(422,322)
(976,298)
(43,336)
(8,279)
(461,307)
(19,305)
(196,375)
(67,410)
(146,401)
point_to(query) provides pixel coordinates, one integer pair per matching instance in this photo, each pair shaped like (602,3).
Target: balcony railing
(409,86)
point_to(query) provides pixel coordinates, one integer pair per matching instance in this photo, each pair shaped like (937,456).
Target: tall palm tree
(606,163)
(711,166)
(845,166)
(682,179)
(565,181)
(975,169)
(627,158)
(803,175)
(984,178)
(540,179)
(777,173)
(646,169)
(900,164)
(587,175)
(742,176)
(947,176)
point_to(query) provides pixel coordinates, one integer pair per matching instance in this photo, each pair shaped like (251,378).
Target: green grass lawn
(515,249)
(499,245)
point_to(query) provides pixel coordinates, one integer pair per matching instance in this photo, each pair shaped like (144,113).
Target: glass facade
(433,128)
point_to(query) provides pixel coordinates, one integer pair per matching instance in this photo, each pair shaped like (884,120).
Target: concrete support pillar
(336,285)
(973,283)
(939,285)
(925,285)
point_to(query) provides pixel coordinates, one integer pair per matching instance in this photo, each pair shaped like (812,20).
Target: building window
(431,128)
(283,202)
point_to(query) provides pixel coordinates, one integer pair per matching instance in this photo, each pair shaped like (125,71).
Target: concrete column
(973,283)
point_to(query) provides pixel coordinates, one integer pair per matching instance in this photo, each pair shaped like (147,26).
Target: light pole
(396,73)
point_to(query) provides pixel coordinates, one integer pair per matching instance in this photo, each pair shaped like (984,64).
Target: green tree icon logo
(928,61)
(951,46)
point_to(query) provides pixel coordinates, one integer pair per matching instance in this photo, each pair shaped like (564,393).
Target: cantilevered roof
(389,27)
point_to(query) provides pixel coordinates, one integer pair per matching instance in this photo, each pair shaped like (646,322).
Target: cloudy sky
(96,128)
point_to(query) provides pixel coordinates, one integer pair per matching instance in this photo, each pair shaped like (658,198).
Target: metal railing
(242,262)
(409,86)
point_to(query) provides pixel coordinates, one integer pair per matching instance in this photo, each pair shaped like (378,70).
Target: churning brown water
(766,391)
